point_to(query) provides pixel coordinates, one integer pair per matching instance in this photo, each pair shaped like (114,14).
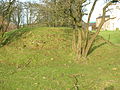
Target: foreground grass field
(42,59)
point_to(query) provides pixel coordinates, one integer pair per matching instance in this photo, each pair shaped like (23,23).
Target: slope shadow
(97,46)
(11,36)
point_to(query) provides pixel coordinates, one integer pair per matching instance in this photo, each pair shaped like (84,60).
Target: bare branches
(109,19)
(91,11)
(103,16)
(6,11)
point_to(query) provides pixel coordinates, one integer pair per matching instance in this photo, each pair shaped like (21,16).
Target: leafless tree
(82,40)
(6,10)
(17,14)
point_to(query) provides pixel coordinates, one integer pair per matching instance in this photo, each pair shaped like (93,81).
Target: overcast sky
(97,10)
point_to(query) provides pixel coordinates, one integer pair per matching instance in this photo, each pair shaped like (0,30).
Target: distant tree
(51,13)
(31,12)
(17,14)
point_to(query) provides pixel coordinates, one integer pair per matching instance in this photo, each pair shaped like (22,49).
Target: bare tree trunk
(6,14)
(79,45)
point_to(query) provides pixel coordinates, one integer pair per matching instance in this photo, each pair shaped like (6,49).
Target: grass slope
(42,59)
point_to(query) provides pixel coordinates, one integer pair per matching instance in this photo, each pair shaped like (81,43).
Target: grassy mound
(42,59)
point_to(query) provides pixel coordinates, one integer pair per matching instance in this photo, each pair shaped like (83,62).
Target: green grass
(41,58)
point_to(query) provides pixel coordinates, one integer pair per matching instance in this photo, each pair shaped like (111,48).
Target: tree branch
(91,11)
(109,19)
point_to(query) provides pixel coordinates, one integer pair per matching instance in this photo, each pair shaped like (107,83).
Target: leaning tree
(82,40)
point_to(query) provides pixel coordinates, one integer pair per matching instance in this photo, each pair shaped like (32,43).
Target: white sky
(97,10)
